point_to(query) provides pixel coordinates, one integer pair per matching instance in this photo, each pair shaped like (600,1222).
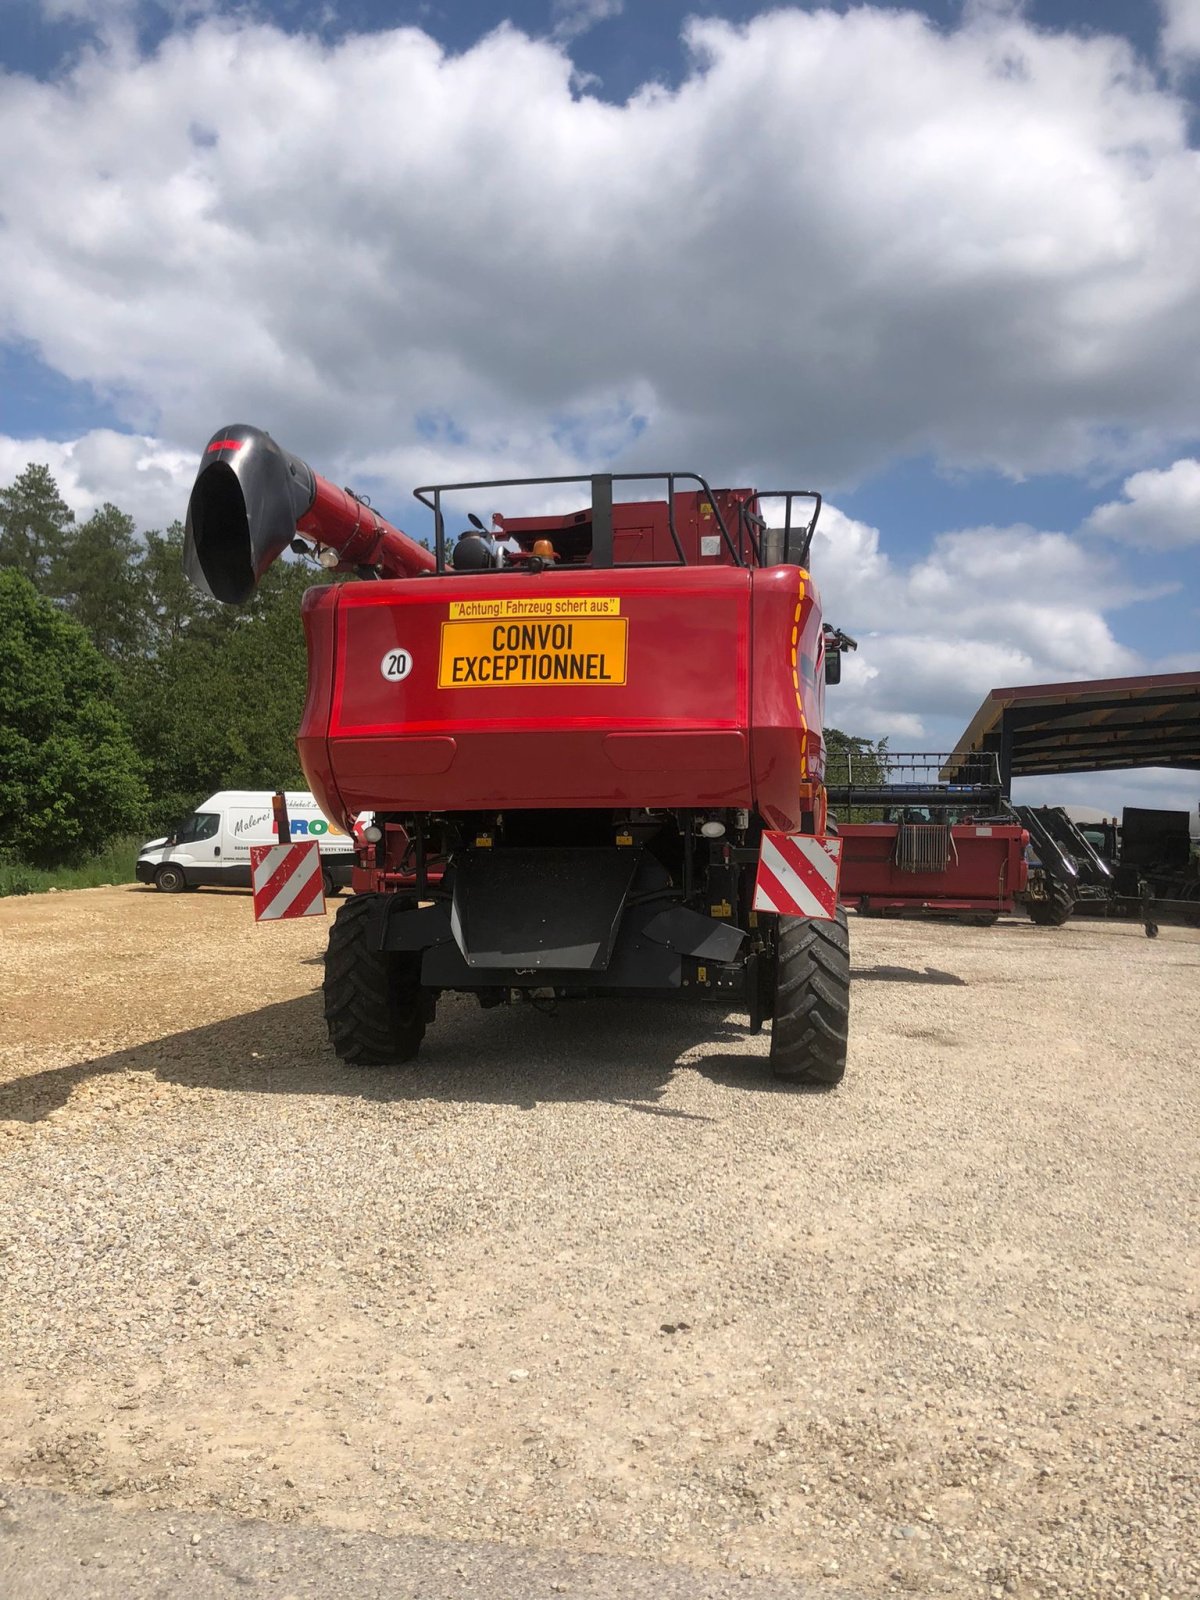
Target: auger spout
(251,499)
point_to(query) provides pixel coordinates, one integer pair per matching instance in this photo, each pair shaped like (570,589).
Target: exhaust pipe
(250,500)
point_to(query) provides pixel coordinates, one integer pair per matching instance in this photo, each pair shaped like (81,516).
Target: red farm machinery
(927,835)
(591,741)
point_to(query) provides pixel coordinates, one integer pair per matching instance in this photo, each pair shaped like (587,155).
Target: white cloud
(983,608)
(845,238)
(149,480)
(1160,510)
(1181,30)
(1157,788)
(571,18)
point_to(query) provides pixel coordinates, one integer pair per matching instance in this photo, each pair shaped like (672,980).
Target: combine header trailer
(592,743)
(932,846)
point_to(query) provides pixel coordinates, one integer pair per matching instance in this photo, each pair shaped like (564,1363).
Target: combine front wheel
(812,1000)
(375,1007)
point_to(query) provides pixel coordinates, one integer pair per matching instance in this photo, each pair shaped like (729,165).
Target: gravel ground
(591,1282)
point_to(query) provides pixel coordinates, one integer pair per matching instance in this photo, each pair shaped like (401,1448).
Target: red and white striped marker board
(798,875)
(287,881)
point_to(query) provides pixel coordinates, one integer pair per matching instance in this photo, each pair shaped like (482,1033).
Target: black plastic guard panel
(637,966)
(401,926)
(539,909)
(692,934)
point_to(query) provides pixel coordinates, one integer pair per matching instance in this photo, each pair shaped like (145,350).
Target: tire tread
(374,1005)
(812,1000)
(1054,911)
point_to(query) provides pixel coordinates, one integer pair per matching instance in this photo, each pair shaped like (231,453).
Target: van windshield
(200,825)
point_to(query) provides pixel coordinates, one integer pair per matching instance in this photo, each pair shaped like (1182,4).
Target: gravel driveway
(591,1281)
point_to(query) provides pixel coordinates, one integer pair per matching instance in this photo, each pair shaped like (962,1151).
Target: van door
(196,847)
(244,826)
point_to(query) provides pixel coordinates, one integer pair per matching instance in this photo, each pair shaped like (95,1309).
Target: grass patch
(115,864)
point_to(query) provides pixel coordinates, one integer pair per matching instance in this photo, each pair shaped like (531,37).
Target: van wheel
(812,1000)
(332,889)
(375,1006)
(170,879)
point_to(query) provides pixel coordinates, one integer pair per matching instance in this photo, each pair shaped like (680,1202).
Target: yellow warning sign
(528,654)
(542,605)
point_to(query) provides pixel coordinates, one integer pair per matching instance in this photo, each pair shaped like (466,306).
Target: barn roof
(1094,726)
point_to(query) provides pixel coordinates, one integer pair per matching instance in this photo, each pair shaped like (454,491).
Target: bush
(114,864)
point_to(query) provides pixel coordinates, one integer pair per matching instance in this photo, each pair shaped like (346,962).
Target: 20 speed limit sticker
(533,653)
(396,665)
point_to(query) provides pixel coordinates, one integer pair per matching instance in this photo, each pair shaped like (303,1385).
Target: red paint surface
(721,718)
(360,535)
(990,870)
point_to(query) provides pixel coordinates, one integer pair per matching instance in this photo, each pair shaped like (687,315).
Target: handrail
(602,481)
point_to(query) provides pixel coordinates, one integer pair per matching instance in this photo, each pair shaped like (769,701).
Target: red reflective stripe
(793,880)
(293,887)
(226,444)
(772,888)
(290,864)
(307,895)
(824,892)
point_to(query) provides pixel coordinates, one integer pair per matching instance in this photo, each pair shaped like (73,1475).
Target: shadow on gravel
(751,1072)
(616,1052)
(905,975)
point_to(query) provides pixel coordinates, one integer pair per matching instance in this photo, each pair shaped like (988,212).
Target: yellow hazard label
(529,654)
(554,605)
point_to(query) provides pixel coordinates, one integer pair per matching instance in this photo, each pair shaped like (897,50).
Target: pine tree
(35,522)
(97,577)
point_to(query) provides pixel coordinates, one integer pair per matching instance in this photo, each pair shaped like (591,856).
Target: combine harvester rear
(592,743)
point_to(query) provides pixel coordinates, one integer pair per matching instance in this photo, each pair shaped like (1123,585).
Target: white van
(212,845)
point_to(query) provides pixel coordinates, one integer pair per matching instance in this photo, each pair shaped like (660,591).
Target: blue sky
(936,260)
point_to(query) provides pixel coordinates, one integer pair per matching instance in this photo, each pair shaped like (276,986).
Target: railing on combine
(775,546)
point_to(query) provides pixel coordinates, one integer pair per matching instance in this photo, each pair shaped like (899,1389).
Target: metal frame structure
(1102,725)
(895,778)
(750,531)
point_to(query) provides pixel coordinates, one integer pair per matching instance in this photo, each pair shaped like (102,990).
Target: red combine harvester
(592,743)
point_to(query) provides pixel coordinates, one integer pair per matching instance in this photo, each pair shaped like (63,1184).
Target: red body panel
(989,871)
(720,703)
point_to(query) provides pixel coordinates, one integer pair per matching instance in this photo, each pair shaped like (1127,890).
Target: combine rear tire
(812,1000)
(375,1007)
(1055,909)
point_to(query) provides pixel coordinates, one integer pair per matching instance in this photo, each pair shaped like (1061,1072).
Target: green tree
(34,524)
(218,705)
(174,608)
(98,578)
(851,759)
(70,777)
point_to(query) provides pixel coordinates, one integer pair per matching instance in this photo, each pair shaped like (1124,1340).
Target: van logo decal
(245,824)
